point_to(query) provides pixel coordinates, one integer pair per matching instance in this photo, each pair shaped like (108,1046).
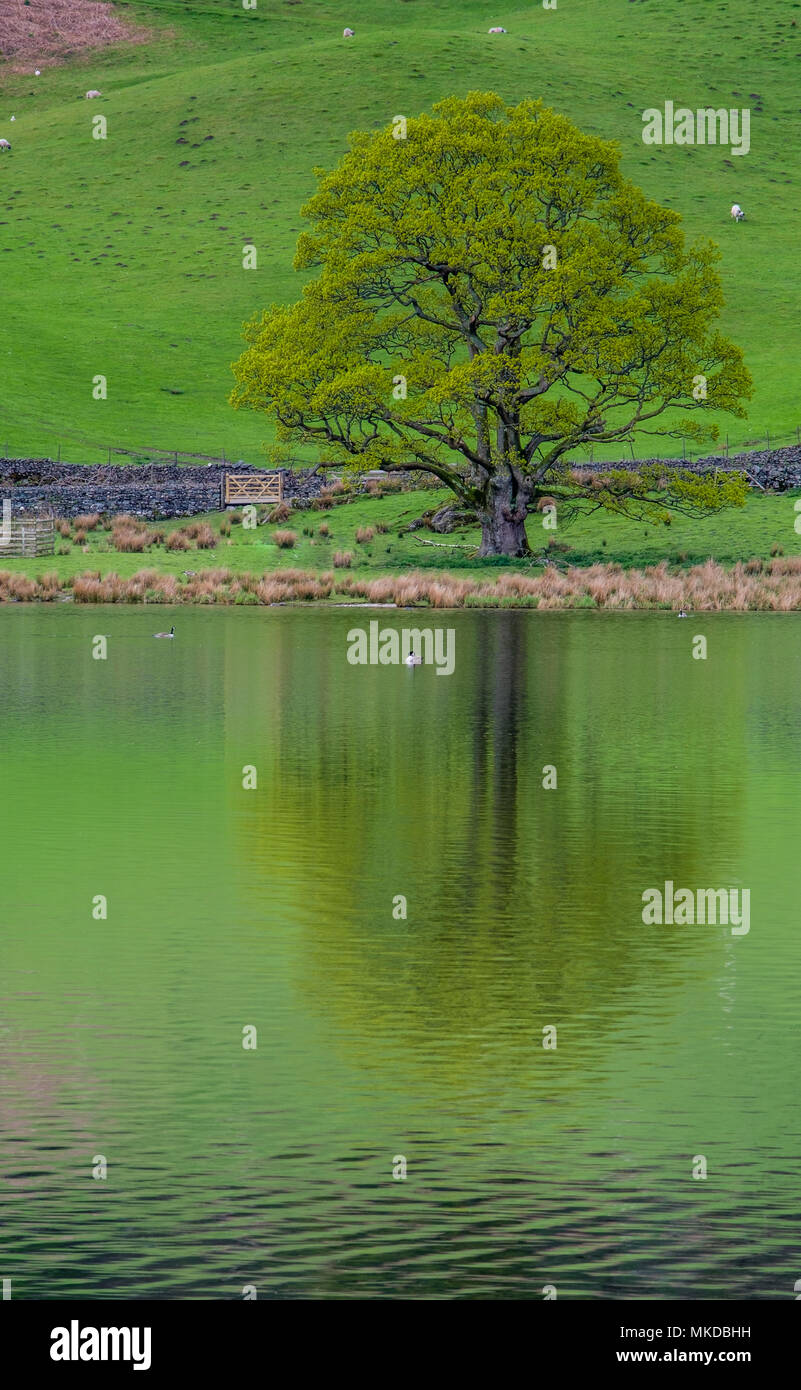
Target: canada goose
(682,613)
(414,659)
(171,633)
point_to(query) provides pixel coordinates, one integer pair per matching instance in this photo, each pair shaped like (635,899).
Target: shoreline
(754,586)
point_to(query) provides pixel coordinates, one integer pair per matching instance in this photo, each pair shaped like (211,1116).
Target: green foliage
(490,294)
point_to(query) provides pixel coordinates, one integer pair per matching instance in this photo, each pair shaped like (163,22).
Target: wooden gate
(27,535)
(252,487)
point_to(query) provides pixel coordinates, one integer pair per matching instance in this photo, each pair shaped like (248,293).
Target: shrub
(124,539)
(63,527)
(204,536)
(89,522)
(324,529)
(284,539)
(280,513)
(343,560)
(225,526)
(177,541)
(364,534)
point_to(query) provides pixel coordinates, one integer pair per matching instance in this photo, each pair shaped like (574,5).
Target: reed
(773,587)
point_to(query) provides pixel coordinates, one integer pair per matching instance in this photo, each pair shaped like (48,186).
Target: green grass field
(123,257)
(764,526)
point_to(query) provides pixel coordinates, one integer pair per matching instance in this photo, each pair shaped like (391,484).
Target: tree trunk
(503,520)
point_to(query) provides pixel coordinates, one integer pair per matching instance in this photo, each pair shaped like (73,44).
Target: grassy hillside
(373,531)
(123,257)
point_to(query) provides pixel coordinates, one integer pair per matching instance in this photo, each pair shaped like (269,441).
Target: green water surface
(379,1036)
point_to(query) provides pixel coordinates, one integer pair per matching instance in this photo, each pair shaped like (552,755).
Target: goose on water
(171,633)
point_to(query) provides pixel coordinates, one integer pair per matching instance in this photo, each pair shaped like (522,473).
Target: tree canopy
(488,295)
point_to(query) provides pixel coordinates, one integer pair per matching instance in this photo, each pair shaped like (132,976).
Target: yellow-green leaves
(488,294)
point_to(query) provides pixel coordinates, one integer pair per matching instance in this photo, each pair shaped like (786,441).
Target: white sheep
(4,145)
(496,30)
(348,33)
(737,212)
(93,93)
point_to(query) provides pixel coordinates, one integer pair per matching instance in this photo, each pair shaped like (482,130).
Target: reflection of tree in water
(524,903)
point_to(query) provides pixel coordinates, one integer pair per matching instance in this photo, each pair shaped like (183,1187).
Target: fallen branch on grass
(445,545)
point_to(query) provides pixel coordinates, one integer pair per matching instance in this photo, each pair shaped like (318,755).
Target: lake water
(378,1036)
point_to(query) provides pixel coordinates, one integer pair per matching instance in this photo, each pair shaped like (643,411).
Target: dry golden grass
(43,32)
(281,512)
(177,541)
(776,587)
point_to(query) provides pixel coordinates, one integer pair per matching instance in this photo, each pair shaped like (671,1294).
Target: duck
(683,614)
(414,659)
(171,633)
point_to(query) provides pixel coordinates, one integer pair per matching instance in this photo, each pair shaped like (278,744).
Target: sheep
(737,213)
(4,145)
(93,93)
(496,30)
(348,33)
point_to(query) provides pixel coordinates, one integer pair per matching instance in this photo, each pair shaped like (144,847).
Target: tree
(490,295)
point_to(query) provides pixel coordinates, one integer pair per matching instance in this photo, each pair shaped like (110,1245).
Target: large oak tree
(489,295)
